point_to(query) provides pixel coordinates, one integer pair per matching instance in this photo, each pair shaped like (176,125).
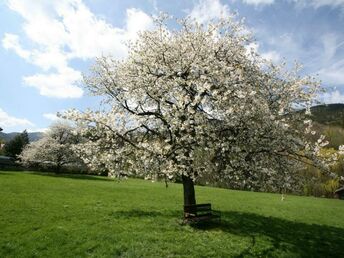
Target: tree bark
(58,168)
(189,191)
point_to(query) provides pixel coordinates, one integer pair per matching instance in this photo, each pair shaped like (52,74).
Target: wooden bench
(199,212)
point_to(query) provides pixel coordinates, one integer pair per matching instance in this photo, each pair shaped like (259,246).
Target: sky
(47,45)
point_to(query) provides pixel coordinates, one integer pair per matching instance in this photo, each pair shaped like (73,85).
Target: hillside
(329,121)
(331,114)
(34,136)
(43,215)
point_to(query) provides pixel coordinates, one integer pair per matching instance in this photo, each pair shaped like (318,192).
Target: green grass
(77,216)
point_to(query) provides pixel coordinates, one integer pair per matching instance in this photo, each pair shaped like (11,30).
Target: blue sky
(46,45)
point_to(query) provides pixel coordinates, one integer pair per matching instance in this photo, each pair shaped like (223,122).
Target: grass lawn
(80,216)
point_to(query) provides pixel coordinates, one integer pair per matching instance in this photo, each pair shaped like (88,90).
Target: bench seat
(199,212)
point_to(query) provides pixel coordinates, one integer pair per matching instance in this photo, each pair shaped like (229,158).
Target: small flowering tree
(199,88)
(54,148)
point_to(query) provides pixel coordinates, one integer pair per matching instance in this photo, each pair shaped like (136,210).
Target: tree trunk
(58,168)
(189,191)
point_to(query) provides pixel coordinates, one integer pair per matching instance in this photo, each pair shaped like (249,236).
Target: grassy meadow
(43,215)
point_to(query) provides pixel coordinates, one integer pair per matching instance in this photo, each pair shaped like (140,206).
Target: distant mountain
(34,136)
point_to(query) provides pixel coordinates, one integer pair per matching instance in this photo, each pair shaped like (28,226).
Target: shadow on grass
(269,236)
(143,213)
(286,237)
(5,173)
(74,176)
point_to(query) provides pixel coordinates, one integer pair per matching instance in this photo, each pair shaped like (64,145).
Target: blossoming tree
(198,88)
(54,148)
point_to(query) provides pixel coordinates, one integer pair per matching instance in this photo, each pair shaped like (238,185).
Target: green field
(42,215)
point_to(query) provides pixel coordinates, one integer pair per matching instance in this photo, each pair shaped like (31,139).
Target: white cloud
(290,44)
(11,41)
(332,97)
(54,118)
(51,116)
(259,2)
(64,30)
(272,56)
(36,129)
(7,121)
(137,21)
(322,58)
(329,41)
(59,85)
(300,3)
(320,3)
(206,10)
(50,59)
(333,74)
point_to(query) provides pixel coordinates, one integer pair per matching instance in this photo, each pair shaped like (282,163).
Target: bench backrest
(197,208)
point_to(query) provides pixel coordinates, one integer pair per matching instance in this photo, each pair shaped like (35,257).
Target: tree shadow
(268,236)
(5,173)
(144,213)
(285,237)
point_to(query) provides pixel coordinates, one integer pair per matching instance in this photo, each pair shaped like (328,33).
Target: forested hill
(331,114)
(34,136)
(329,121)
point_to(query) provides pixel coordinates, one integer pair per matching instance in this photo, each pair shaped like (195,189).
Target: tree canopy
(15,146)
(53,149)
(199,88)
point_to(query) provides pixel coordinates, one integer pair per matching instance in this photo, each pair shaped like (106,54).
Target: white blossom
(183,92)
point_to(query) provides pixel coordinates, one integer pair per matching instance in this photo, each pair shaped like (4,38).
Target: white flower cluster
(197,89)
(341,149)
(54,149)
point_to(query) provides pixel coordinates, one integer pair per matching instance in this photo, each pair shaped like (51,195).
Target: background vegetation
(328,120)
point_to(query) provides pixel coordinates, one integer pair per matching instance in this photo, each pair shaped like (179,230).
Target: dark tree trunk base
(189,191)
